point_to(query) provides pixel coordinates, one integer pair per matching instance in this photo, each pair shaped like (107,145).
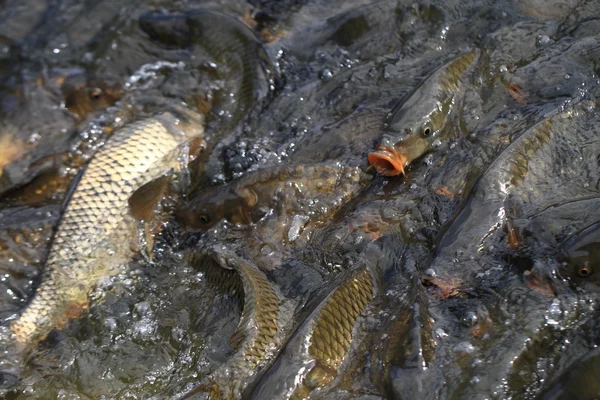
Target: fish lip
(387,161)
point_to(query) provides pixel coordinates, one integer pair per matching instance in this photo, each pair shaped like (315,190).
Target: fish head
(205,211)
(410,139)
(413,129)
(580,258)
(582,266)
(85,94)
(201,213)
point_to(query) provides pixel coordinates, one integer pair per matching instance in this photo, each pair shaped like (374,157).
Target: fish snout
(386,142)
(387,160)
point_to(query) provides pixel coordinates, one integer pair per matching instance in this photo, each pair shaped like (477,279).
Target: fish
(349,29)
(580,255)
(260,331)
(96,234)
(416,126)
(492,201)
(230,43)
(409,348)
(36,134)
(313,189)
(314,353)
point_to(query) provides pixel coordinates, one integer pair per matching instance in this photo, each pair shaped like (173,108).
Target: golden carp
(97,231)
(259,333)
(313,355)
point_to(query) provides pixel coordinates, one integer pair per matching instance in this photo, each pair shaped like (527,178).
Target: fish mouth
(387,161)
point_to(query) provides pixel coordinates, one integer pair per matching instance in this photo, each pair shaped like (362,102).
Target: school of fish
(253,200)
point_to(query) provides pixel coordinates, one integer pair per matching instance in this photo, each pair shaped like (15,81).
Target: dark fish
(351,29)
(489,206)
(580,381)
(97,228)
(409,349)
(228,41)
(417,126)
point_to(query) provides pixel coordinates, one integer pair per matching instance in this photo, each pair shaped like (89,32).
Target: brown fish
(313,355)
(298,189)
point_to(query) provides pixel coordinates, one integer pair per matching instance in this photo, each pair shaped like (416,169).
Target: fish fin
(242,215)
(145,198)
(236,340)
(513,236)
(196,146)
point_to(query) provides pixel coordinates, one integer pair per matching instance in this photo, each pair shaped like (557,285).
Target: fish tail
(43,314)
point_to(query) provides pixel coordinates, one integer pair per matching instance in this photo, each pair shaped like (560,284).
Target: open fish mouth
(388,162)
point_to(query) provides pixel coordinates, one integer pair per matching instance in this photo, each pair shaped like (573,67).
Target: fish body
(352,29)
(259,333)
(485,211)
(96,232)
(313,355)
(310,189)
(416,126)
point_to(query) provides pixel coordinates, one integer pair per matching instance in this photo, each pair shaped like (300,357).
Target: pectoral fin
(143,201)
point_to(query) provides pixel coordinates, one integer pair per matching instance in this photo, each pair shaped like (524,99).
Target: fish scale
(96,232)
(260,328)
(329,342)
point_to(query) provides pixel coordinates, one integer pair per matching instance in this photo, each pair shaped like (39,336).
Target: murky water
(283,265)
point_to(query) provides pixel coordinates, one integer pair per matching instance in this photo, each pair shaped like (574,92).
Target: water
(493,319)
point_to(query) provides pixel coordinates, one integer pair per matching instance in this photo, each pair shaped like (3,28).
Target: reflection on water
(462,264)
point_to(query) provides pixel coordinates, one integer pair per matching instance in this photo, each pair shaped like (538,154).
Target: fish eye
(96,93)
(426,131)
(204,219)
(584,270)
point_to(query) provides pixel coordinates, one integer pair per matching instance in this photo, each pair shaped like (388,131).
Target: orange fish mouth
(387,162)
